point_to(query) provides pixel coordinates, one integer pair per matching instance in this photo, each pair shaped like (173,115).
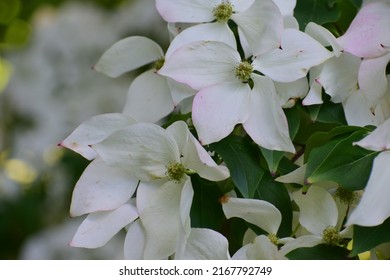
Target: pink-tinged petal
(267,124)
(299,53)
(179,91)
(357,111)
(372,78)
(134,245)
(95,130)
(161,218)
(149,98)
(323,36)
(368,35)
(201,64)
(205,244)
(339,76)
(203,32)
(301,242)
(128,54)
(318,210)
(258,212)
(101,188)
(286,7)
(98,228)
(143,150)
(262,25)
(217,109)
(378,140)
(186,10)
(374,207)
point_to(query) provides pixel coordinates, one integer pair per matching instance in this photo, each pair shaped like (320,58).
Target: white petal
(372,78)
(261,20)
(205,244)
(263,249)
(149,98)
(203,32)
(301,242)
(143,149)
(314,96)
(317,209)
(195,157)
(339,76)
(186,10)
(128,54)
(374,207)
(297,176)
(162,220)
(367,35)
(299,53)
(267,124)
(95,130)
(291,91)
(201,64)
(179,92)
(258,212)
(101,188)
(134,245)
(357,111)
(98,228)
(286,7)
(217,109)
(378,140)
(324,36)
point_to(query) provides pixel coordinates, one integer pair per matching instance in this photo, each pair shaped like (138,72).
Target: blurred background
(47,88)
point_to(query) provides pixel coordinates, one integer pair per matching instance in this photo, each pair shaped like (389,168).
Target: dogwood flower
(319,215)
(262,214)
(373,208)
(367,37)
(162,160)
(255,19)
(225,97)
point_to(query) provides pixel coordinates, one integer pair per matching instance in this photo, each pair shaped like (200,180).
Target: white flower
(373,208)
(319,215)
(255,19)
(161,159)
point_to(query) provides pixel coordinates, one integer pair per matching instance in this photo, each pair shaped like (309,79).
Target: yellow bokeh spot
(5,73)
(19,171)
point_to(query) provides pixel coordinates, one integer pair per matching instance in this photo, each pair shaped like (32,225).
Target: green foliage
(319,252)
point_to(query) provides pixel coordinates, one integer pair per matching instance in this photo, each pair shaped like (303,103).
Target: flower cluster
(253,126)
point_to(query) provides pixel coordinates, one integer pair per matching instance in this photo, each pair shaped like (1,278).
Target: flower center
(273,238)
(176,171)
(331,236)
(159,63)
(243,71)
(345,196)
(223,11)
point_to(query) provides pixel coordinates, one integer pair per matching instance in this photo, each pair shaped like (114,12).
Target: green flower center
(273,238)
(244,71)
(344,195)
(159,63)
(223,11)
(331,236)
(176,171)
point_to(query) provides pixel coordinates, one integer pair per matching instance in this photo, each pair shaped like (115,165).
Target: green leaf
(328,112)
(276,194)
(366,238)
(341,162)
(318,11)
(240,156)
(272,158)
(206,210)
(319,252)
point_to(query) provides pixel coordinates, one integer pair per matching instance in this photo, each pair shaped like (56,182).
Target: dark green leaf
(276,193)
(342,162)
(319,252)
(240,157)
(328,113)
(366,238)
